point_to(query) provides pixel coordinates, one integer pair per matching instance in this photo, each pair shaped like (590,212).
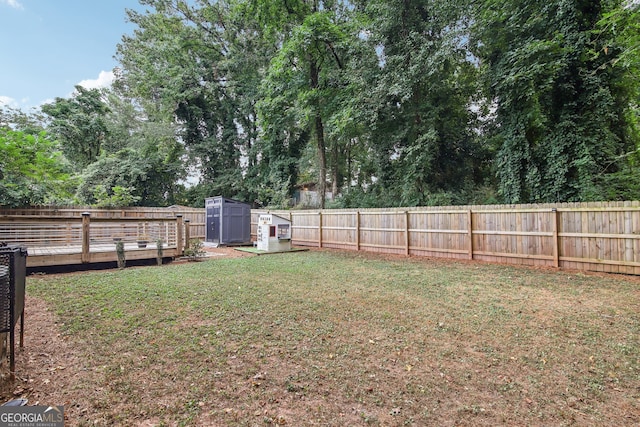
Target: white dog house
(274,233)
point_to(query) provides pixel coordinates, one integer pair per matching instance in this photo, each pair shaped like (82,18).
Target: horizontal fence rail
(585,236)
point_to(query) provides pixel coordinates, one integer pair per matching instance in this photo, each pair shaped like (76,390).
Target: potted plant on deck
(143,239)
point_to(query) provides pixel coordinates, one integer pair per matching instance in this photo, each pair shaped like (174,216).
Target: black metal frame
(12,295)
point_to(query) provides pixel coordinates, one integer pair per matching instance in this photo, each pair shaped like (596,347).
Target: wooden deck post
(179,240)
(187,232)
(291,221)
(85,257)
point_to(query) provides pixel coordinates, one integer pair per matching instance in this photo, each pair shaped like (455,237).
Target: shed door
(234,219)
(213,224)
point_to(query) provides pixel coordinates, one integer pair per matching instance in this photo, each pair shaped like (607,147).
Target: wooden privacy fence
(584,236)
(62,240)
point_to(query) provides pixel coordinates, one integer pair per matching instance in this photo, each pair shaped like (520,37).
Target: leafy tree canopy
(378,102)
(32,170)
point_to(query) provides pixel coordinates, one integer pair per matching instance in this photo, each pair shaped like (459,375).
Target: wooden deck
(55,241)
(72,255)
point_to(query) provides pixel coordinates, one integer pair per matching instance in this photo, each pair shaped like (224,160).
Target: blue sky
(49,46)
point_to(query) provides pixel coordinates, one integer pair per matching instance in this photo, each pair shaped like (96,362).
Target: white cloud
(105,78)
(5,101)
(46,101)
(12,3)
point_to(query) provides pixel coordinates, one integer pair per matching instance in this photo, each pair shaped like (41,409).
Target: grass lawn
(340,338)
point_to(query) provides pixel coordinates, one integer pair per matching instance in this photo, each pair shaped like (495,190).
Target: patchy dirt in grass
(225,252)
(49,371)
(52,371)
(217,253)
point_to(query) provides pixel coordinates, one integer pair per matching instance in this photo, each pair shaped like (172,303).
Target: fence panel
(339,230)
(602,238)
(305,228)
(439,233)
(382,232)
(514,236)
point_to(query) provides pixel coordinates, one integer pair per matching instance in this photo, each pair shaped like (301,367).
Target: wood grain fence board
(608,251)
(580,243)
(437,250)
(611,245)
(628,243)
(577,246)
(605,243)
(618,244)
(635,228)
(586,247)
(622,243)
(597,242)
(525,241)
(564,245)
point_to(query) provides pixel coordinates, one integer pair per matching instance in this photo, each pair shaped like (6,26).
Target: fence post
(554,224)
(86,228)
(357,230)
(406,233)
(291,222)
(320,229)
(470,232)
(179,241)
(187,232)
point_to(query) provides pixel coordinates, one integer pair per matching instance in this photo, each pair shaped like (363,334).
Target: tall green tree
(33,171)
(32,123)
(620,28)
(419,93)
(561,112)
(307,73)
(398,102)
(187,57)
(79,124)
(141,154)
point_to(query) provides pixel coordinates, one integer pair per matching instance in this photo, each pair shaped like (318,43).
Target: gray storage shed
(228,221)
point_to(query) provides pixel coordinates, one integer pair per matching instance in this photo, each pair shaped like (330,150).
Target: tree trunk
(348,186)
(335,172)
(314,72)
(322,160)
